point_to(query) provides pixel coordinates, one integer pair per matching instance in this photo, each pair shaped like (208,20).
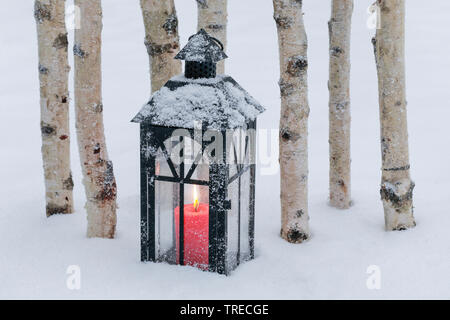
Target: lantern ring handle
(218,42)
(215,39)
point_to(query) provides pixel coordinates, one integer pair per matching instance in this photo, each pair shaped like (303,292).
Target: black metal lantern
(198,141)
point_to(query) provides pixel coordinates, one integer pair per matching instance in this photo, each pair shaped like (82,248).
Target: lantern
(198,141)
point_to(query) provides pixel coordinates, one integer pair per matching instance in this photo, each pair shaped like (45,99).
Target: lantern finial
(201,54)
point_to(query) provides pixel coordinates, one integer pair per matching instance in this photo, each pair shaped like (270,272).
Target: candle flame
(196,203)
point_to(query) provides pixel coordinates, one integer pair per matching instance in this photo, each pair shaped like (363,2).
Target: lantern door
(175,222)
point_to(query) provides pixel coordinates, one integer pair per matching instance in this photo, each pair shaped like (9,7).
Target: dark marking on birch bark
(64,99)
(97,149)
(42,12)
(154,49)
(295,236)
(384,148)
(68,183)
(397,201)
(342,185)
(341,106)
(407,167)
(98,107)
(52,209)
(374,43)
(288,135)
(402,227)
(43,70)
(47,130)
(203,3)
(382,6)
(108,184)
(215,27)
(286,88)
(171,24)
(333,158)
(336,51)
(283,22)
(79,52)
(297,65)
(299,213)
(61,41)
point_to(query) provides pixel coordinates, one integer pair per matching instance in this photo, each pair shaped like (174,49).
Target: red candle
(196,234)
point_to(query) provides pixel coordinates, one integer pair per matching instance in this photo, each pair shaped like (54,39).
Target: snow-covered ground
(35,252)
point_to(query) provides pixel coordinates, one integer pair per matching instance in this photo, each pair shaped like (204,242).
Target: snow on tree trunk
(98,176)
(161,40)
(339,28)
(212,17)
(54,92)
(396,185)
(294,119)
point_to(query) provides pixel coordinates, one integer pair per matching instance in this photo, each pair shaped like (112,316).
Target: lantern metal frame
(217,184)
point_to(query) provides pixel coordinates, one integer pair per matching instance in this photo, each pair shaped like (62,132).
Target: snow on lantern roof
(201,47)
(218,103)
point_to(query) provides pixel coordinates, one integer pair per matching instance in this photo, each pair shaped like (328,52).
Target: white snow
(215,102)
(35,252)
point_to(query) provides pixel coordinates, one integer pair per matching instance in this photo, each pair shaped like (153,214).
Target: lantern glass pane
(201,171)
(171,150)
(235,147)
(166,200)
(196,226)
(233,161)
(233,170)
(233,225)
(193,159)
(245,216)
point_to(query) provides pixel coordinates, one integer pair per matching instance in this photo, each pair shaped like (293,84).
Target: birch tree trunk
(212,17)
(396,185)
(161,40)
(98,176)
(54,93)
(339,28)
(293,45)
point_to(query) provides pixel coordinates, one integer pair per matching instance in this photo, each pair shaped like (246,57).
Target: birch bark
(212,17)
(339,28)
(161,40)
(54,104)
(396,185)
(98,176)
(292,43)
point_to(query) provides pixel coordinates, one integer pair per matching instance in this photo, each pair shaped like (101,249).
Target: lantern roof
(218,103)
(201,47)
